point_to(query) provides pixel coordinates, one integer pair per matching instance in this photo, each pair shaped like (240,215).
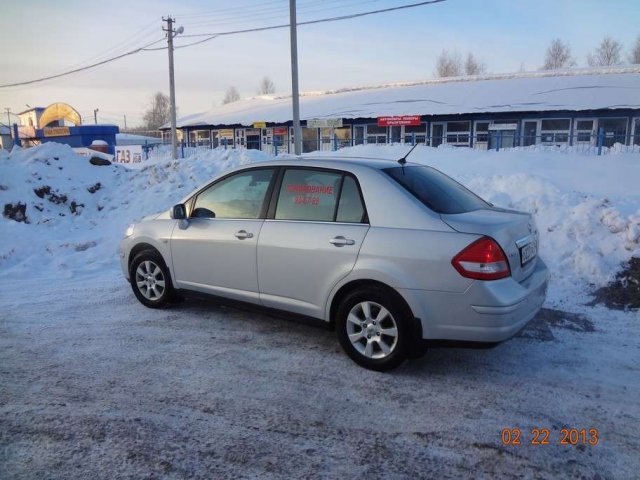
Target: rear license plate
(528,253)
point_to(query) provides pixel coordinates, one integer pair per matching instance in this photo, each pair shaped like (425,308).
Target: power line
(276,13)
(322,20)
(141,35)
(260,4)
(211,36)
(51,77)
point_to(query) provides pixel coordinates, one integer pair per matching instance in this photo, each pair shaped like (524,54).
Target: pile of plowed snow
(587,207)
(76,212)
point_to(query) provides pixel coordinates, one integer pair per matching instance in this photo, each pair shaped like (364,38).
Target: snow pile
(587,207)
(76,212)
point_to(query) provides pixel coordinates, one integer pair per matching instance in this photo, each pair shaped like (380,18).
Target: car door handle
(340,241)
(242,234)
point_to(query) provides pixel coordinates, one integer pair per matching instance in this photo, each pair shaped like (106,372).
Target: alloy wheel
(150,280)
(372,330)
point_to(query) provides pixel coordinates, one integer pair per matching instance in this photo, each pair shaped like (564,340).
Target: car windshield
(437,191)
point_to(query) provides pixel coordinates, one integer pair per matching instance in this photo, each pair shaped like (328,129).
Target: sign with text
(503,126)
(324,123)
(55,131)
(259,124)
(128,154)
(226,133)
(399,120)
(280,130)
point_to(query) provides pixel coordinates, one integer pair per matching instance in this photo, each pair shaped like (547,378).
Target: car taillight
(482,260)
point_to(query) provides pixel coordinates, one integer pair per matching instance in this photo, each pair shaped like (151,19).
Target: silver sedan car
(390,253)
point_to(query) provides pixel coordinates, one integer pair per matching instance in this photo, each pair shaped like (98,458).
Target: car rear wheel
(373,328)
(150,279)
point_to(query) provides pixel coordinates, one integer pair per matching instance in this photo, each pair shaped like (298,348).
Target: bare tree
(634,58)
(158,113)
(472,66)
(231,95)
(607,53)
(448,64)
(266,86)
(558,56)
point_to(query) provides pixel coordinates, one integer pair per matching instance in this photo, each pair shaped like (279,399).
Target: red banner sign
(280,130)
(399,120)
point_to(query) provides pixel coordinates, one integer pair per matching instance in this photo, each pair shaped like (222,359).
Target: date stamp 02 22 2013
(543,436)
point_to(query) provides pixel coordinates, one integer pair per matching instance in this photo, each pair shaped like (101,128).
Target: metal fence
(601,143)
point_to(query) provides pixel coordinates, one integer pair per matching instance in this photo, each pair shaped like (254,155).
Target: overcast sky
(42,38)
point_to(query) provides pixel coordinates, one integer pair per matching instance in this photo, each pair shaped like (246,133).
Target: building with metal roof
(573,107)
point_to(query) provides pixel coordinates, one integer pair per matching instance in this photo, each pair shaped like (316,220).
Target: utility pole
(125,123)
(172,87)
(95,115)
(295,93)
(11,132)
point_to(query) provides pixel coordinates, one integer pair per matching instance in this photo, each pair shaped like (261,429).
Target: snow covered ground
(94,384)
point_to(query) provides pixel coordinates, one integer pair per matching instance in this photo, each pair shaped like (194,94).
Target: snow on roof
(133,139)
(31,109)
(578,89)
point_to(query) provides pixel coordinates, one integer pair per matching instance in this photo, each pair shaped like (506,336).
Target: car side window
(238,196)
(350,207)
(307,194)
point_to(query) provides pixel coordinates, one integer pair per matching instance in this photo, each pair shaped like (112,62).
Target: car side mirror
(179,212)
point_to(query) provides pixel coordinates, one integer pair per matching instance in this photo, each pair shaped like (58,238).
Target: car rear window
(437,191)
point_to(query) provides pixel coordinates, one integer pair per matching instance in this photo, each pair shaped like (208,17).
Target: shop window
(555,131)
(529,133)
(343,136)
(636,131)
(200,138)
(458,133)
(615,130)
(394,133)
(358,132)
(309,139)
(420,132)
(584,131)
(437,134)
(376,134)
(482,132)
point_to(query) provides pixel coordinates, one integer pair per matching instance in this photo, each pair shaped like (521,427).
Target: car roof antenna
(403,160)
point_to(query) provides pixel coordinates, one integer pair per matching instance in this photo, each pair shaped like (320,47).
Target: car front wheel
(150,279)
(373,328)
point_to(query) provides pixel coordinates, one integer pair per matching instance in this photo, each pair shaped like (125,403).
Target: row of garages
(483,132)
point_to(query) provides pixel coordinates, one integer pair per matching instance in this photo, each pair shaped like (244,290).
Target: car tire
(374,328)
(150,279)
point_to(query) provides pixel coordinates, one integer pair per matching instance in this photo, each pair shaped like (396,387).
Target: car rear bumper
(488,311)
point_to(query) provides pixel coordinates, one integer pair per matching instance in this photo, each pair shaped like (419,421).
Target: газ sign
(128,154)
(399,120)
